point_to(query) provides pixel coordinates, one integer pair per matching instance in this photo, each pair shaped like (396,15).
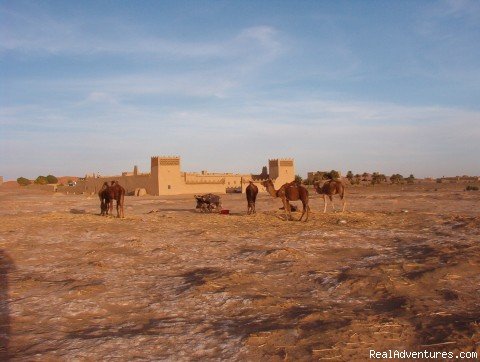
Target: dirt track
(175,284)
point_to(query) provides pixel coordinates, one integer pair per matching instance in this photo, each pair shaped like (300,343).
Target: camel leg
(333,204)
(324,203)
(308,213)
(305,210)
(286,206)
(110,207)
(344,205)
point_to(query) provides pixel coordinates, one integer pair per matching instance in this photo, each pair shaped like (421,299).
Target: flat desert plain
(399,270)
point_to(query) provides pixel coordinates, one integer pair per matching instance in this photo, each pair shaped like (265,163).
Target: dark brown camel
(289,192)
(251,191)
(108,194)
(330,188)
(104,199)
(117,193)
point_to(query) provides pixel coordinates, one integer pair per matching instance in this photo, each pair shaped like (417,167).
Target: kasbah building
(167,178)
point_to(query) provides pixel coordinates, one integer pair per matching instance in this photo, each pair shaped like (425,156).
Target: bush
(52,179)
(41,180)
(22,181)
(332,175)
(378,178)
(471,188)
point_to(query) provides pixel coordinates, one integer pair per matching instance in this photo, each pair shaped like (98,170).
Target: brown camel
(251,191)
(104,199)
(330,188)
(289,192)
(117,193)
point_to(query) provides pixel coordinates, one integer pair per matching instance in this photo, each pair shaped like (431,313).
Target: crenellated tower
(282,170)
(165,171)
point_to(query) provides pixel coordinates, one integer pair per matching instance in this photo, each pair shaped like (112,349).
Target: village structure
(167,178)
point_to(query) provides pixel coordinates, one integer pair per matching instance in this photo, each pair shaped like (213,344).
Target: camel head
(317,186)
(267,183)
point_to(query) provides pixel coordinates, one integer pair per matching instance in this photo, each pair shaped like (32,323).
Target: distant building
(166,178)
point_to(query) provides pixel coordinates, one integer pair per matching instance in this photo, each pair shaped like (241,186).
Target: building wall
(282,170)
(166,178)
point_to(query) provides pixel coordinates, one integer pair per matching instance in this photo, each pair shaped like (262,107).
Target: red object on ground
(225,212)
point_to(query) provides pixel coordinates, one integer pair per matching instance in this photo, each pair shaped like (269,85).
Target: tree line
(40,180)
(356,179)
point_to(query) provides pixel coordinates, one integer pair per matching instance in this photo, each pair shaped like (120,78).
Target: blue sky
(98,86)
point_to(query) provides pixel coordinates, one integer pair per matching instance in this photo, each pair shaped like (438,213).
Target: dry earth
(178,285)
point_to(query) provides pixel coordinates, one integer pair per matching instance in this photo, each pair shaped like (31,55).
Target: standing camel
(251,191)
(104,199)
(289,192)
(117,193)
(330,188)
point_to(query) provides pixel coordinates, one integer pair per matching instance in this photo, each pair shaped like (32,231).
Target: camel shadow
(77,211)
(6,264)
(172,209)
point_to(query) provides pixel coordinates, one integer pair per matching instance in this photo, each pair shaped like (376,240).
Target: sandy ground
(178,285)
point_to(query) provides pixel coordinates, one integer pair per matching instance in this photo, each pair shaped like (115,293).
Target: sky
(101,86)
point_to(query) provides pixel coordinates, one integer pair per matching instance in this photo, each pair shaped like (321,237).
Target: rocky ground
(399,270)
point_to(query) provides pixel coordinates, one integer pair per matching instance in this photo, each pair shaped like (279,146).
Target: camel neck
(271,190)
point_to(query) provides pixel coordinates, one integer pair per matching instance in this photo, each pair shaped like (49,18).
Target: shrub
(471,188)
(396,178)
(22,181)
(41,180)
(332,175)
(378,178)
(298,179)
(52,179)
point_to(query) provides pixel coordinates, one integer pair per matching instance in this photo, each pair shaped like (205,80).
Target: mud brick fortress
(166,178)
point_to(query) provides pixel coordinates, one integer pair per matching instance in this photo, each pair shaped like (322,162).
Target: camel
(251,191)
(289,192)
(104,199)
(108,194)
(330,188)
(117,193)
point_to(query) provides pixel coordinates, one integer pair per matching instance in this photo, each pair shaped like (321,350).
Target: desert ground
(399,270)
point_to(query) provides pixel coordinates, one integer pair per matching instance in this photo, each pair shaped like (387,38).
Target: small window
(169,187)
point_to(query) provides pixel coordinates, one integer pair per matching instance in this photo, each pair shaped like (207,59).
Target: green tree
(298,179)
(350,175)
(41,180)
(410,179)
(22,181)
(52,179)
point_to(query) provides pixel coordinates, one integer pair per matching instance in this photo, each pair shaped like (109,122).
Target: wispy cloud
(40,33)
